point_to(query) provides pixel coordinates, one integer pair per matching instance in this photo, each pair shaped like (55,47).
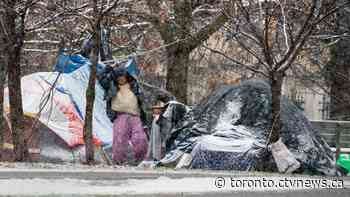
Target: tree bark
(90,95)
(340,84)
(2,83)
(15,37)
(177,73)
(339,70)
(2,79)
(276,82)
(178,53)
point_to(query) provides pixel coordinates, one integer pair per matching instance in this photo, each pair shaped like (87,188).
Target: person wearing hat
(155,148)
(124,108)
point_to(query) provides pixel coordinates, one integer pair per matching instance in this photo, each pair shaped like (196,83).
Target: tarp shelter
(58,99)
(229,130)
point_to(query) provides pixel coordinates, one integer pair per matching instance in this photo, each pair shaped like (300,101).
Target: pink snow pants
(128,128)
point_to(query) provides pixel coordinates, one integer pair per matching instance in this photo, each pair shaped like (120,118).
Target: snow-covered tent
(229,130)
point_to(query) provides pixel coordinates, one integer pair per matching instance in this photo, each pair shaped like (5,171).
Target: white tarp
(65,109)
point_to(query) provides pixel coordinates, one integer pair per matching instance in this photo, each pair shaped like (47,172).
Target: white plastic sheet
(285,160)
(65,109)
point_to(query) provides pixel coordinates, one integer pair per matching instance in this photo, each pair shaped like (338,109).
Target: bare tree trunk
(177,73)
(2,79)
(90,95)
(90,99)
(15,37)
(95,23)
(16,108)
(340,88)
(339,70)
(178,54)
(276,91)
(2,83)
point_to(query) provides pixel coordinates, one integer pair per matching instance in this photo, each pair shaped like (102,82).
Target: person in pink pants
(127,126)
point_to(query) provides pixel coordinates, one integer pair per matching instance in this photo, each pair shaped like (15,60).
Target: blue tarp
(132,68)
(69,63)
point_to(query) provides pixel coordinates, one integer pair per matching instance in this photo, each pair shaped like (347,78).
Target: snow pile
(229,116)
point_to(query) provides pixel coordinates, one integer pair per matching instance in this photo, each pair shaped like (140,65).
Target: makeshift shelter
(57,100)
(45,145)
(229,130)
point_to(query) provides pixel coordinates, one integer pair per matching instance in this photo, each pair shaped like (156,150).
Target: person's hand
(108,68)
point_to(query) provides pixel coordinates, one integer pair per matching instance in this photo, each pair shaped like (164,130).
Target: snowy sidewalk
(79,180)
(162,186)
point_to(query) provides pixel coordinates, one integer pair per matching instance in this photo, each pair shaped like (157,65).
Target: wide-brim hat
(158,105)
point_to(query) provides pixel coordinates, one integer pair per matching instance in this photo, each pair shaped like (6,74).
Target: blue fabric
(105,74)
(106,79)
(70,63)
(132,68)
(119,71)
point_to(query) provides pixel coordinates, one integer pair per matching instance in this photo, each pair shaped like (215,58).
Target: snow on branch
(40,50)
(108,9)
(41,41)
(204,9)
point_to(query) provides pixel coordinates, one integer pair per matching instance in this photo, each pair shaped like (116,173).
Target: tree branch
(164,28)
(299,36)
(108,9)
(204,33)
(248,67)
(293,54)
(284,23)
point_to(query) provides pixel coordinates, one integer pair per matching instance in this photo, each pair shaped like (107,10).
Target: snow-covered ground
(130,186)
(34,179)
(161,185)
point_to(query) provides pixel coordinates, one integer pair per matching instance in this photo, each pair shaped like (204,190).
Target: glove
(108,68)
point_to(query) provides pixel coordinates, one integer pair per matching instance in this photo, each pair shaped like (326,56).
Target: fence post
(337,141)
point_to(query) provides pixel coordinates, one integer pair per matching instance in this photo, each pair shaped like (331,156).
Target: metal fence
(305,100)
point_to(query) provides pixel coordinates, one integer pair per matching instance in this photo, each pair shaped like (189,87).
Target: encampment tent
(230,129)
(57,99)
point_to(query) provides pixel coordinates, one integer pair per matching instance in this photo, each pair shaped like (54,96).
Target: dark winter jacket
(107,78)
